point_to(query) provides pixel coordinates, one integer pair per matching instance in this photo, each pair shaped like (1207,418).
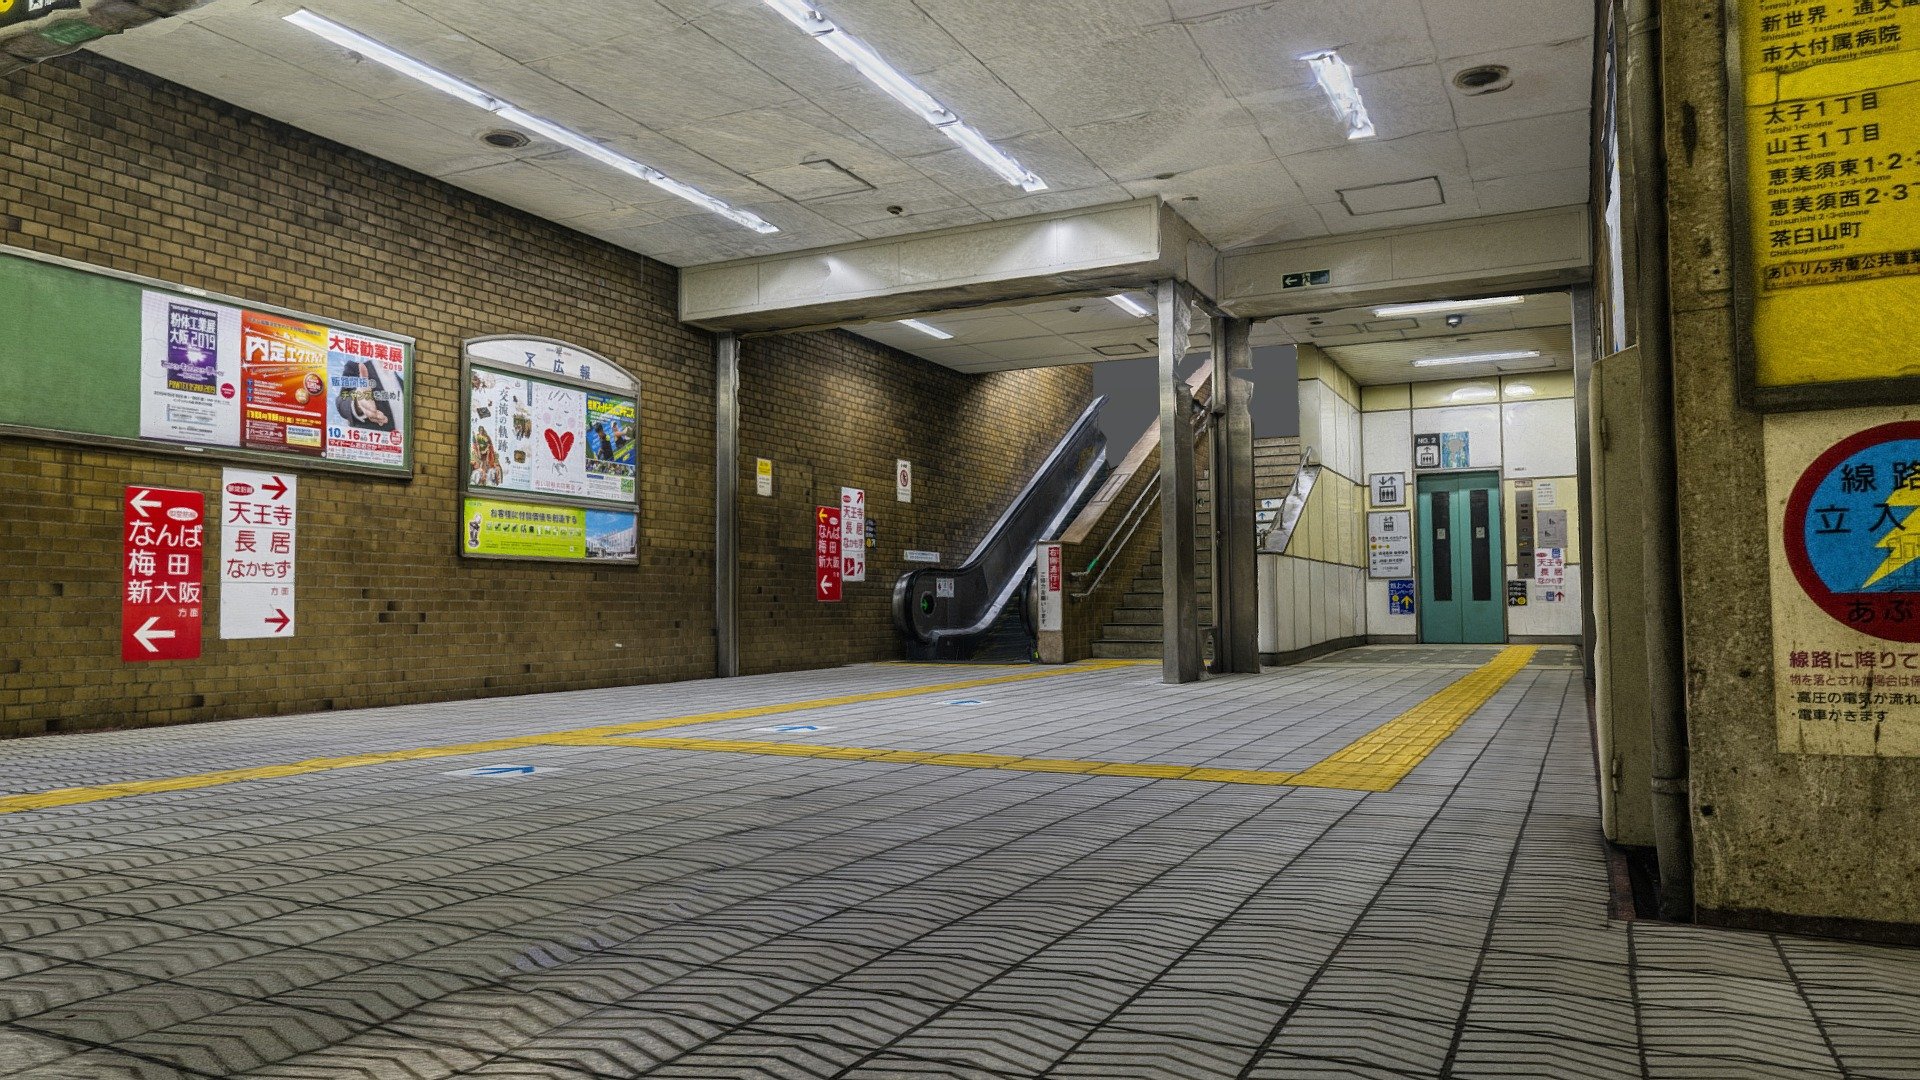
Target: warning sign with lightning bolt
(1852,530)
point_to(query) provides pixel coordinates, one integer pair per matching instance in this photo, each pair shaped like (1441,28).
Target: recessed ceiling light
(1520,389)
(930,331)
(1336,79)
(1129,305)
(396,60)
(1474,393)
(1435,307)
(1476,358)
(869,63)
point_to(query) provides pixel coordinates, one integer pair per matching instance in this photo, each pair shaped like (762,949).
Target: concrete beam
(1123,245)
(1541,249)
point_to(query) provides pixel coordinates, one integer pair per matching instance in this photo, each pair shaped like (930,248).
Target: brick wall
(113,168)
(833,411)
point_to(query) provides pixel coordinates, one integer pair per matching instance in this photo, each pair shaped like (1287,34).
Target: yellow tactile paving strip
(1379,759)
(42,800)
(1375,762)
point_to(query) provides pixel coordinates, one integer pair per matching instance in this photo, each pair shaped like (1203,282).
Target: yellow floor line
(12,804)
(1379,759)
(1144,770)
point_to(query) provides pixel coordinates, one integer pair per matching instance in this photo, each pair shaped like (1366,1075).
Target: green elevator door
(1461,554)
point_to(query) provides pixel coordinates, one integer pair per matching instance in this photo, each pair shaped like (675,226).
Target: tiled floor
(629,912)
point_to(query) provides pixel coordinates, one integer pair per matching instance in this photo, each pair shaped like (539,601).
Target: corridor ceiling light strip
(1436,307)
(388,57)
(930,331)
(1336,78)
(1477,358)
(1129,305)
(869,63)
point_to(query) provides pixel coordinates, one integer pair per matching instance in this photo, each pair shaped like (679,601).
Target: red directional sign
(826,554)
(161,597)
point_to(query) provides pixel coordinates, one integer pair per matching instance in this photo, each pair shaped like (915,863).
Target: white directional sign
(259,534)
(853,534)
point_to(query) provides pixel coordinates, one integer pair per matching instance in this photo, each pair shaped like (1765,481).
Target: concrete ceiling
(1203,102)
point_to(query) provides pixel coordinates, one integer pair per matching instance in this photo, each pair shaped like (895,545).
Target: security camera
(1456,319)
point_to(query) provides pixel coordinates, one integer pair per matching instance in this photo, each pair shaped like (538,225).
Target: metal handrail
(1149,495)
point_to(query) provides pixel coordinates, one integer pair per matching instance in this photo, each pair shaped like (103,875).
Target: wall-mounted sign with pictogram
(1845,562)
(160,600)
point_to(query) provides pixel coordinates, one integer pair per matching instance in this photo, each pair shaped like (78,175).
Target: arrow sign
(826,546)
(275,485)
(488,772)
(278,620)
(147,635)
(826,584)
(142,503)
(506,770)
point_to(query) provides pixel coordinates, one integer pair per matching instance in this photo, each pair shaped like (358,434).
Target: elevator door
(1461,572)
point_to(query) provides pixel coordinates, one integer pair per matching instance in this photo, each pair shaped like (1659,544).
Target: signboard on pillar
(1052,575)
(853,534)
(826,554)
(1844,560)
(160,598)
(903,480)
(1826,123)
(259,548)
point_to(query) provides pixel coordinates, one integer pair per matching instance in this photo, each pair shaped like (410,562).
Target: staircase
(1136,629)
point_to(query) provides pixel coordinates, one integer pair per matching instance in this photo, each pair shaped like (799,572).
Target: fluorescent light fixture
(388,57)
(1129,305)
(1437,307)
(1336,78)
(871,64)
(1477,358)
(930,331)
(1520,389)
(1474,393)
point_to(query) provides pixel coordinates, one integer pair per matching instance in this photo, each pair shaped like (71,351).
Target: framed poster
(550,458)
(1824,117)
(108,359)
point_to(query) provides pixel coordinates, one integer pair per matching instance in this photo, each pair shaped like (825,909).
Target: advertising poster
(612,439)
(559,442)
(612,535)
(506,528)
(189,371)
(161,600)
(500,432)
(259,538)
(1845,574)
(366,420)
(283,384)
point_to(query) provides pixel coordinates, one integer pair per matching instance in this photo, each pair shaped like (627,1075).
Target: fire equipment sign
(160,598)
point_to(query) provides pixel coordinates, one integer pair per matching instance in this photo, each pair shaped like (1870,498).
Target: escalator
(976,611)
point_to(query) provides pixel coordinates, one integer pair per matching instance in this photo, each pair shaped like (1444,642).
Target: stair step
(1126,650)
(1130,632)
(1142,615)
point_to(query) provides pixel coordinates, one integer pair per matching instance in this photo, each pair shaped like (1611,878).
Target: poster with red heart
(559,442)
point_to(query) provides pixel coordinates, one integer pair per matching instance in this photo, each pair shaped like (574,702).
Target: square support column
(1180,631)
(1236,596)
(726,505)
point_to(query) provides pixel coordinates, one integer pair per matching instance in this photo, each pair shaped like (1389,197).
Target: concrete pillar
(1236,594)
(726,505)
(1180,634)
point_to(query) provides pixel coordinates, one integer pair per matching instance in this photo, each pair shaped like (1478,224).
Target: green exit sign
(1306,278)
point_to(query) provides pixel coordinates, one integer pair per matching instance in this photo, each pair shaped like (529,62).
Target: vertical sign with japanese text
(826,554)
(1830,103)
(160,600)
(1052,586)
(259,534)
(853,534)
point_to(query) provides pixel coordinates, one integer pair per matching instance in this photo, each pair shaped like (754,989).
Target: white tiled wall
(1304,603)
